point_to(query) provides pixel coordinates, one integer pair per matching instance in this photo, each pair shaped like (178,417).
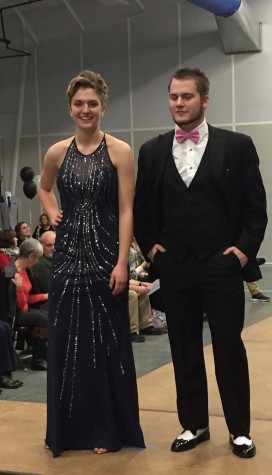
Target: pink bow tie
(182,135)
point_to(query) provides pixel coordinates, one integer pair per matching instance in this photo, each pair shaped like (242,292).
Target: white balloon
(36,179)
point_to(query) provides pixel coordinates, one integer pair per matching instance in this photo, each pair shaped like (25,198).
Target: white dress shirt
(188,155)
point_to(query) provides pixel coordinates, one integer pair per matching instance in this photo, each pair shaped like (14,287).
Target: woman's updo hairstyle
(88,79)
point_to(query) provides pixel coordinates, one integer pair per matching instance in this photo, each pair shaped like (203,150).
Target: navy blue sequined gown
(92,396)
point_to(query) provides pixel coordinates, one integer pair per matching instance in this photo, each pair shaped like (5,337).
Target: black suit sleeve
(253,201)
(144,230)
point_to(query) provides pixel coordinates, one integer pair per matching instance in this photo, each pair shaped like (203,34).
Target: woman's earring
(102,114)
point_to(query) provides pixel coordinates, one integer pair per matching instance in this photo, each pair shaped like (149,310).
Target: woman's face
(86,108)
(32,261)
(15,241)
(44,220)
(25,230)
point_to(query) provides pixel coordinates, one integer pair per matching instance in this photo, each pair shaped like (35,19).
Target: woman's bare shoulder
(60,147)
(119,151)
(57,151)
(115,143)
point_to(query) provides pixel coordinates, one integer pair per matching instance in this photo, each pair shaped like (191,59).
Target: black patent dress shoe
(9,383)
(38,365)
(180,445)
(244,451)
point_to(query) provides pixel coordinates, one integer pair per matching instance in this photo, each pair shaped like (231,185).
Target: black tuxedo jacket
(235,167)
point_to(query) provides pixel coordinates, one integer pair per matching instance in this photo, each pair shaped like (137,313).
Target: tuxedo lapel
(163,148)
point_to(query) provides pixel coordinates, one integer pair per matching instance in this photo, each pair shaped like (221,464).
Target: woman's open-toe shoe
(100,450)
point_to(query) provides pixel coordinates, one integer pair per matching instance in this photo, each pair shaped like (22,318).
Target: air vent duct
(240,32)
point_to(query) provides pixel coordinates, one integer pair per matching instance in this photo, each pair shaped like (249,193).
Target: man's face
(186,106)
(48,245)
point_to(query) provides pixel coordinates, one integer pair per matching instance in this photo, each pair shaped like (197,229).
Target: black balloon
(30,189)
(27,174)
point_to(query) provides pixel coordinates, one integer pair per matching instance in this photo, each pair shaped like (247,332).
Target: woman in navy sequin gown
(92,400)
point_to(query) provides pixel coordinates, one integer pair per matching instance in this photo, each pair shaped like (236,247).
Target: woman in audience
(16,298)
(138,267)
(8,247)
(43,226)
(22,230)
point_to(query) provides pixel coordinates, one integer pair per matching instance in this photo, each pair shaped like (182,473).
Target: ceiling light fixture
(13,52)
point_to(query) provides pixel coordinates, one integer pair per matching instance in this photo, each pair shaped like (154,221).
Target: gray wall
(136,57)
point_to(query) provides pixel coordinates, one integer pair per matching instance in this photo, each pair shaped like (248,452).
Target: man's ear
(205,101)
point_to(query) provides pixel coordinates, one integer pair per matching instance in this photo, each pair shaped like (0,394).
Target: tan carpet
(22,427)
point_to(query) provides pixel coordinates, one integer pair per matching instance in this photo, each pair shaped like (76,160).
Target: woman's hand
(138,286)
(17,280)
(56,220)
(142,288)
(118,279)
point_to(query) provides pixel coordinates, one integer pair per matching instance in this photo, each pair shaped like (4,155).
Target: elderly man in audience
(41,270)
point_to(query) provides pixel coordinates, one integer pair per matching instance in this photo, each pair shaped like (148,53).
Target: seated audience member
(138,267)
(43,226)
(22,230)
(8,247)
(41,271)
(140,315)
(16,298)
(139,270)
(256,294)
(7,359)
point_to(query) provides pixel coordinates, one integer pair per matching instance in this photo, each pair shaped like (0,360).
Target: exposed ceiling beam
(26,2)
(74,15)
(115,3)
(26,25)
(141,5)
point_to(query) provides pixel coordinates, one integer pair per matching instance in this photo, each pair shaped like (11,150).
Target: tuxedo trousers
(188,286)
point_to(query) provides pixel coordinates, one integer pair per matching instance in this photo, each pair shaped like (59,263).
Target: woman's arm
(52,162)
(35,298)
(21,298)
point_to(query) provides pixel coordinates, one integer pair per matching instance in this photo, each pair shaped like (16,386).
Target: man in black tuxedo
(200,217)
